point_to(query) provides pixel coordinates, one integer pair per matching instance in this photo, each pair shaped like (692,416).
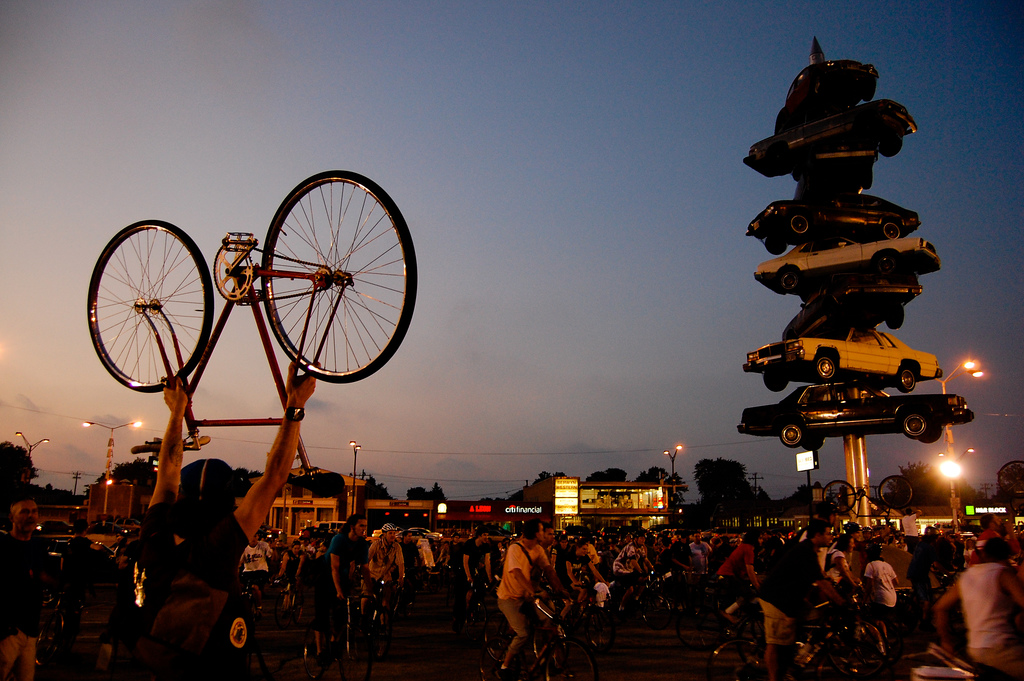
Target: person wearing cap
(384,559)
(631,567)
(194,525)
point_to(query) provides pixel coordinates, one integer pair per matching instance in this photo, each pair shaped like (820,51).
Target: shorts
(779,628)
(257,577)
(922,589)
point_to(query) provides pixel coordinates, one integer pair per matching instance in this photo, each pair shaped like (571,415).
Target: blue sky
(572,177)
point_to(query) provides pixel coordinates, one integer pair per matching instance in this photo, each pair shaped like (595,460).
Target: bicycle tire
(842,494)
(737,660)
(569,658)
(1010,478)
(476,621)
(858,651)
(492,654)
(354,655)
(896,492)
(315,665)
(700,631)
(150,269)
(282,614)
(599,629)
(51,636)
(656,610)
(380,634)
(344,226)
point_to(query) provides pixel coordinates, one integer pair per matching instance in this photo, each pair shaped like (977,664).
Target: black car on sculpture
(881,124)
(860,217)
(854,300)
(811,413)
(826,88)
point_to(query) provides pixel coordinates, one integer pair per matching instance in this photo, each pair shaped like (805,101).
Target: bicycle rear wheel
(476,620)
(492,654)
(842,495)
(339,276)
(50,638)
(857,650)
(150,279)
(568,658)
(700,631)
(737,660)
(896,492)
(656,609)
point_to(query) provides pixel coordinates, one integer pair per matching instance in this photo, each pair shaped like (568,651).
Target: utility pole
(984,488)
(755,476)
(76,475)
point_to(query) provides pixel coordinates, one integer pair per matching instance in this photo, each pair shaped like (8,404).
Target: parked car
(797,270)
(824,89)
(857,353)
(883,124)
(107,533)
(811,413)
(54,528)
(859,217)
(846,301)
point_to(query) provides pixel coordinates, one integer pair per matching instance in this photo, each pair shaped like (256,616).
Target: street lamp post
(974,369)
(110,452)
(28,472)
(951,469)
(355,453)
(672,454)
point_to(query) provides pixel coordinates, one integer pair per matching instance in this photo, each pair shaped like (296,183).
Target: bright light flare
(951,469)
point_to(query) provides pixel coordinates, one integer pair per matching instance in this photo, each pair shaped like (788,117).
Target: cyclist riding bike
(631,568)
(738,575)
(256,566)
(339,570)
(385,563)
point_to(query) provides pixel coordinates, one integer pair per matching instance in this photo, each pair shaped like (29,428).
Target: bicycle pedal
(239,241)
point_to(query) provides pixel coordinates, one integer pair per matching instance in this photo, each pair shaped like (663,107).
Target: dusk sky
(572,177)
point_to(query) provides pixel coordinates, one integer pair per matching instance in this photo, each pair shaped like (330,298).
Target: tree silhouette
(721,480)
(435,493)
(608,475)
(16,471)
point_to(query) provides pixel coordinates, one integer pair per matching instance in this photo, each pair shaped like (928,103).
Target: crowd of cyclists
(862,568)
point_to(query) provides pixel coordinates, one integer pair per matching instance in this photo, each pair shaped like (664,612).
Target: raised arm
(256,504)
(168,472)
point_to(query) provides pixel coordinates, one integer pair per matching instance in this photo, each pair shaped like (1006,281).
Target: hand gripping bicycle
(336,278)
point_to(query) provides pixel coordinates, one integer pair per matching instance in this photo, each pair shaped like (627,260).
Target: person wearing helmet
(385,563)
(194,526)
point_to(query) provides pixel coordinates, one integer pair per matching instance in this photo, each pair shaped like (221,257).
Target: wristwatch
(294,413)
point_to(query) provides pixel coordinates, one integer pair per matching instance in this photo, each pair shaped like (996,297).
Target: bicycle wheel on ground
(700,631)
(568,658)
(656,609)
(339,276)
(151,281)
(476,621)
(283,605)
(492,655)
(380,634)
(599,629)
(314,663)
(737,660)
(354,655)
(842,494)
(896,492)
(857,650)
(50,637)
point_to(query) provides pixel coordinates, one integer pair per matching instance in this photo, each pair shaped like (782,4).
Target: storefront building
(600,505)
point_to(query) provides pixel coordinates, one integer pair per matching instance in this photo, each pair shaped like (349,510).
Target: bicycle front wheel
(599,629)
(737,660)
(380,634)
(339,276)
(50,637)
(476,621)
(151,286)
(858,650)
(315,663)
(896,492)
(568,658)
(656,609)
(283,605)
(354,655)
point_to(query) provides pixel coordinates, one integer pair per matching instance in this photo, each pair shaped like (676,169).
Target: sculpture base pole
(855,452)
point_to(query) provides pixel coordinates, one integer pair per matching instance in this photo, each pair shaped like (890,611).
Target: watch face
(295,413)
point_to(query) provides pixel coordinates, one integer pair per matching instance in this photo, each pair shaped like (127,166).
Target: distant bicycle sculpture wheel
(1011,478)
(842,495)
(896,492)
(150,288)
(339,276)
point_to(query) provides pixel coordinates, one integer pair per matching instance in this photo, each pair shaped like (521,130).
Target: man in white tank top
(987,593)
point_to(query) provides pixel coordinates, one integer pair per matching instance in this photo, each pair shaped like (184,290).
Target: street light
(672,454)
(951,469)
(355,453)
(26,473)
(972,368)
(110,451)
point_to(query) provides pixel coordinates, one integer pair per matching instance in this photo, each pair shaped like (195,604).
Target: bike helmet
(389,527)
(852,527)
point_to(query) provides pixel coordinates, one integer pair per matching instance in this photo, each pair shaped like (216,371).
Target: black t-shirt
(792,579)
(78,564)
(475,554)
(22,564)
(560,556)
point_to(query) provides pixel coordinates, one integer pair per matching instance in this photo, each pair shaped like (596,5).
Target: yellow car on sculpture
(861,354)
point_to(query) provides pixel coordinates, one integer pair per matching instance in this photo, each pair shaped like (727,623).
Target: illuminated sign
(567,507)
(519,508)
(981,510)
(567,496)
(442,507)
(806,461)
(480,508)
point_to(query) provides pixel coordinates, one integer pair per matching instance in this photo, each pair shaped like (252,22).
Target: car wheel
(799,224)
(774,381)
(891,230)
(791,434)
(890,144)
(775,245)
(915,424)
(789,279)
(826,367)
(932,434)
(885,262)
(894,319)
(813,443)
(908,380)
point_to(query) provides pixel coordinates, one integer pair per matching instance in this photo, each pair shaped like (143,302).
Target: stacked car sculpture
(851,263)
